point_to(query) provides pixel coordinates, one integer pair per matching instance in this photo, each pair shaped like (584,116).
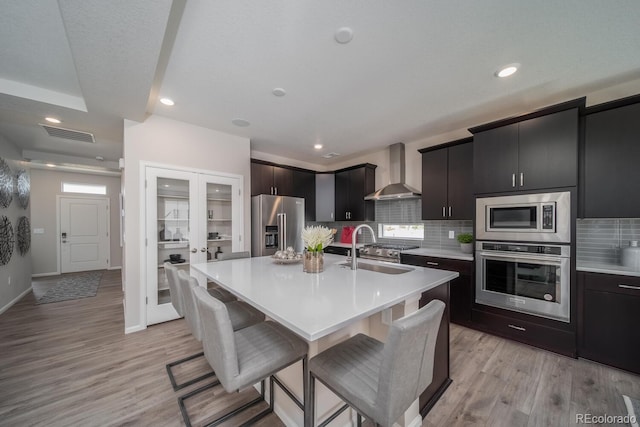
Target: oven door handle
(522,258)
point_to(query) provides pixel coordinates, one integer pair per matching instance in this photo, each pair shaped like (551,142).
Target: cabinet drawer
(626,285)
(462,267)
(556,340)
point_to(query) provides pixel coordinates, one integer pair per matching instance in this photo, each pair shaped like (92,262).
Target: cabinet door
(304,185)
(342,186)
(283,181)
(460,182)
(611,163)
(356,194)
(261,179)
(608,333)
(434,184)
(325,197)
(495,159)
(548,151)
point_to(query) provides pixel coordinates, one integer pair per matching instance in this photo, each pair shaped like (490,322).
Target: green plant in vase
(466,242)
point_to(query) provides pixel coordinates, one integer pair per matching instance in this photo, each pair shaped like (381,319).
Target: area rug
(633,408)
(73,286)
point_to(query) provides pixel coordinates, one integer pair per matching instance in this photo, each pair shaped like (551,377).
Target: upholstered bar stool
(380,381)
(244,357)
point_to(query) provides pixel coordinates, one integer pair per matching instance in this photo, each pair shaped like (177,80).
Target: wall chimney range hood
(397,189)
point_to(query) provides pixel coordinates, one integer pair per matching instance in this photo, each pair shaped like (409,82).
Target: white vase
(466,248)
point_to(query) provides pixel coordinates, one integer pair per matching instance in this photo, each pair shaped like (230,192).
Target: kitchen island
(328,307)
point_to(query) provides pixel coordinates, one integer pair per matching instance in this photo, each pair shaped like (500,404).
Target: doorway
(83,233)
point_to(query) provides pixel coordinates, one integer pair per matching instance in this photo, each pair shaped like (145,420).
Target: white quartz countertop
(440,253)
(316,304)
(607,269)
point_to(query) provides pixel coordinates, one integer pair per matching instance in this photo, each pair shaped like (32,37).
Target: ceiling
(413,70)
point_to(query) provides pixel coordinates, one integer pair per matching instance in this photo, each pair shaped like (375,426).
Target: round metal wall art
(6,184)
(6,240)
(23,233)
(23,188)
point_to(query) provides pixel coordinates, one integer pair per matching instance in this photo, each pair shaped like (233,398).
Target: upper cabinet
(325,197)
(447,181)
(285,181)
(537,151)
(351,186)
(611,155)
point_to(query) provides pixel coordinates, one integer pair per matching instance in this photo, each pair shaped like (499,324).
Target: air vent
(330,155)
(72,134)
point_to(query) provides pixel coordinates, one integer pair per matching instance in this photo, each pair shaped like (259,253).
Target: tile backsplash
(600,240)
(409,211)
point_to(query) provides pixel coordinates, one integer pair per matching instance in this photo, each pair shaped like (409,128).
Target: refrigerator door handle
(282,231)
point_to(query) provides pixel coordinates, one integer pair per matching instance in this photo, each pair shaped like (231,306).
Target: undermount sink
(379,268)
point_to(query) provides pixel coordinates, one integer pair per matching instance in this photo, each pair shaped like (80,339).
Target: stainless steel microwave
(543,217)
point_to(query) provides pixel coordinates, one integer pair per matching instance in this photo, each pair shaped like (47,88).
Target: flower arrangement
(316,238)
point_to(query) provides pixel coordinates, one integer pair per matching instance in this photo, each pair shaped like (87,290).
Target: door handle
(444,215)
(449,211)
(637,288)
(203,250)
(513,179)
(521,179)
(194,250)
(517,328)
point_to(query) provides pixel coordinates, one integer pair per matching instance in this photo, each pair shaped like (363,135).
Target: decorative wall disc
(23,235)
(6,184)
(23,188)
(6,240)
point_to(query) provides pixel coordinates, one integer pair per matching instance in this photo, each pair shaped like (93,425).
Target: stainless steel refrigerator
(276,223)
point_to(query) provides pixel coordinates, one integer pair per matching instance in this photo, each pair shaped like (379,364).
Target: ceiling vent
(75,135)
(330,155)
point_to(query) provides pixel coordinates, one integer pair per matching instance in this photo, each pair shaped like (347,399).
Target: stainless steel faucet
(354,258)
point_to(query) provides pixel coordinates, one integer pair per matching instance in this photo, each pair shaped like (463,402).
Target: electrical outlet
(452,234)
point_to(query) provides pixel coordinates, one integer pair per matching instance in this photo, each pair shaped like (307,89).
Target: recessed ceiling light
(166,186)
(318,146)
(52,120)
(279,91)
(507,70)
(167,101)
(51,165)
(100,158)
(344,35)
(240,122)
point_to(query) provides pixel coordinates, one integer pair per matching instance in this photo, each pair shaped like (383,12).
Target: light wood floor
(70,364)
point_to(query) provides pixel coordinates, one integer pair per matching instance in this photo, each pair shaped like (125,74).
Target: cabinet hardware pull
(276,190)
(637,288)
(518,328)
(521,179)
(271,190)
(432,263)
(449,211)
(513,179)
(203,250)
(194,250)
(444,215)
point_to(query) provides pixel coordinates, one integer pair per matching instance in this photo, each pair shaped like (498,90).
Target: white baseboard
(15,300)
(54,273)
(118,267)
(136,328)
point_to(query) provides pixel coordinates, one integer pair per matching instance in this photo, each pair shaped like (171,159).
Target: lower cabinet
(461,289)
(608,319)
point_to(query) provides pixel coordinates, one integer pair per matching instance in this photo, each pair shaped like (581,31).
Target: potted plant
(466,242)
(315,239)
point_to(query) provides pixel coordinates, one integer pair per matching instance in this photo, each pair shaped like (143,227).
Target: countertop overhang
(316,304)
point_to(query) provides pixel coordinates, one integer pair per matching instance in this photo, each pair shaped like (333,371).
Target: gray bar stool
(242,358)
(380,381)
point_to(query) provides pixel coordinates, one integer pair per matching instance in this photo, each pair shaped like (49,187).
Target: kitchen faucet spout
(354,259)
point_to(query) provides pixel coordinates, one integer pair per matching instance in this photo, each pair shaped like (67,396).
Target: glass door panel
(219,220)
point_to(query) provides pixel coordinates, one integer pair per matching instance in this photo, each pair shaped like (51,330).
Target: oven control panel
(522,248)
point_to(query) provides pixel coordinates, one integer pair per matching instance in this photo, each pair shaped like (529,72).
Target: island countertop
(314,305)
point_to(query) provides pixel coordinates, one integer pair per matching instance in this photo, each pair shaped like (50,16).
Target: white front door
(84,234)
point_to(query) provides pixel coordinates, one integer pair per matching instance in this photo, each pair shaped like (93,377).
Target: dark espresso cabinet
(352,185)
(536,153)
(611,156)
(608,319)
(447,181)
(271,179)
(461,288)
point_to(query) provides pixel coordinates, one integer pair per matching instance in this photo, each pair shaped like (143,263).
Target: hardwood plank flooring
(70,364)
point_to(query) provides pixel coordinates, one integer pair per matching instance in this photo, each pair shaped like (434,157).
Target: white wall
(19,267)
(169,142)
(46,184)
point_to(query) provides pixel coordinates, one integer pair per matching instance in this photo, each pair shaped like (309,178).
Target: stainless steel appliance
(528,278)
(544,217)
(384,251)
(276,223)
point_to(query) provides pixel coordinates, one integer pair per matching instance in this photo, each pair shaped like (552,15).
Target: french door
(190,218)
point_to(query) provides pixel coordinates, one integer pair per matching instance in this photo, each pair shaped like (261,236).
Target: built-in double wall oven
(523,253)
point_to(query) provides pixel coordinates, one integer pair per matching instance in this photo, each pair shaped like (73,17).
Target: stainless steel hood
(397,189)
